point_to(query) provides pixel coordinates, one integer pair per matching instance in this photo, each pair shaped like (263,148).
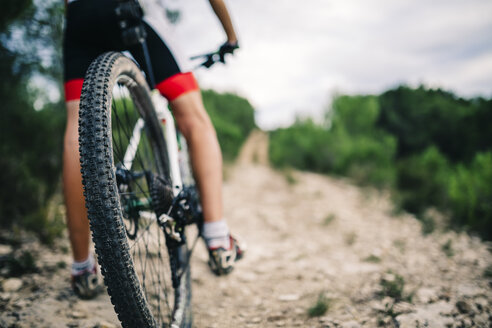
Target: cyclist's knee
(189,124)
(190,115)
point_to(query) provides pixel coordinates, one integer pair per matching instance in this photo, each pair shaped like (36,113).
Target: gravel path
(312,240)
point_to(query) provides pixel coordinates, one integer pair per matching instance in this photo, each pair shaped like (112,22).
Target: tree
(31,140)
(421,117)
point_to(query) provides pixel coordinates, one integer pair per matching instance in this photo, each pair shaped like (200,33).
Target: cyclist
(92,28)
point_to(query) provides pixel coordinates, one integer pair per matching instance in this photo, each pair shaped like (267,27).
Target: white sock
(81,267)
(216,234)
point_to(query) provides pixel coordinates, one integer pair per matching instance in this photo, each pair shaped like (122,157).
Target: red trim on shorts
(176,85)
(73,89)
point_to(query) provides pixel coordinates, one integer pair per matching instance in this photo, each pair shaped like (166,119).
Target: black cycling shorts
(92,28)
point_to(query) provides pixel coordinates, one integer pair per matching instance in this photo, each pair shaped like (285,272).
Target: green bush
(431,146)
(420,118)
(321,306)
(356,114)
(233,118)
(350,145)
(368,160)
(360,149)
(305,146)
(30,163)
(18,264)
(470,193)
(393,285)
(422,181)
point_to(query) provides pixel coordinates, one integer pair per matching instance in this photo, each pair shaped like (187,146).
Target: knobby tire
(106,211)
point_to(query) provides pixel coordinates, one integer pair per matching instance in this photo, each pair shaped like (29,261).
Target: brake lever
(202,56)
(210,59)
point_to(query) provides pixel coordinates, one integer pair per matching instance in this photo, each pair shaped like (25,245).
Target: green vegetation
(289,176)
(470,194)
(431,148)
(320,307)
(329,219)
(373,259)
(392,285)
(61,264)
(428,224)
(30,151)
(447,248)
(233,118)
(421,181)
(487,273)
(350,146)
(19,264)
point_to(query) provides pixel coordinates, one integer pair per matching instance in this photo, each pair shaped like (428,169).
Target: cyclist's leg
(85,282)
(206,157)
(77,58)
(77,223)
(85,37)
(183,94)
(75,64)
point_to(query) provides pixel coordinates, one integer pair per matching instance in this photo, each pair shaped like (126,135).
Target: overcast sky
(296,54)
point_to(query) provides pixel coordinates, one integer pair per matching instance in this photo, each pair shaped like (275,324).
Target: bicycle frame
(170,134)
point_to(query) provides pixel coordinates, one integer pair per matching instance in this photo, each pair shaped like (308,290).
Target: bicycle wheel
(122,155)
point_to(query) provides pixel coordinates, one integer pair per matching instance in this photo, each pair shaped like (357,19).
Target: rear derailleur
(174,213)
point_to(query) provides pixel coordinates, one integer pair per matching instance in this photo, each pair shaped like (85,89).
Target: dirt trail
(307,235)
(254,150)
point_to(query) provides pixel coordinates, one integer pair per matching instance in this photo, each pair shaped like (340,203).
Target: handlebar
(209,59)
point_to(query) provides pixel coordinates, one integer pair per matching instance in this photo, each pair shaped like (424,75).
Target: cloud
(295,54)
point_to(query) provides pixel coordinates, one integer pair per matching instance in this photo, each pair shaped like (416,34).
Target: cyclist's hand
(227,48)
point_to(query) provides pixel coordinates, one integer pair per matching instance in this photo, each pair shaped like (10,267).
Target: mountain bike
(139,192)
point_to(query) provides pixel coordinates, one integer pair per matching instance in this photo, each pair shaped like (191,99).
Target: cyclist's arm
(220,10)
